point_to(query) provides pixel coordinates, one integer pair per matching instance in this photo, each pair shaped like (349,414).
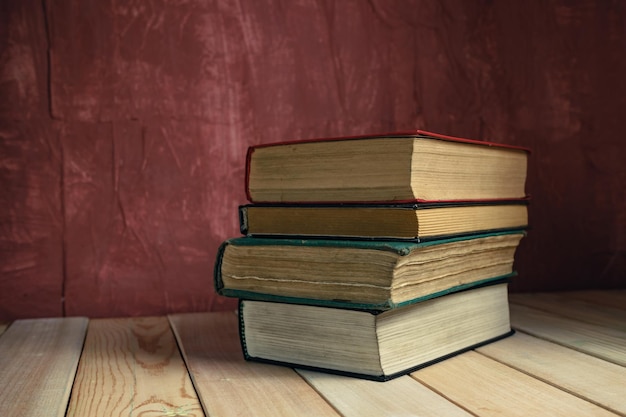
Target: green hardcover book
(360,274)
(372,344)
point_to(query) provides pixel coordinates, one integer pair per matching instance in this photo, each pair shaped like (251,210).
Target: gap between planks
(228,385)
(403,396)
(588,377)
(228,358)
(599,311)
(487,387)
(603,342)
(38,361)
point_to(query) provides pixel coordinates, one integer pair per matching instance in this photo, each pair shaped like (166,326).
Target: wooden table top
(568,357)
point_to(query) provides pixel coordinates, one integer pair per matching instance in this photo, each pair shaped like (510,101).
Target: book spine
(247,173)
(242,331)
(217,269)
(243,220)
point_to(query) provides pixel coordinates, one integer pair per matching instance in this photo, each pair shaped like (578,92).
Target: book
(373,344)
(414,221)
(366,274)
(396,167)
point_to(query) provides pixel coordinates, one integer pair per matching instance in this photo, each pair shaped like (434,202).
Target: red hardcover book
(398,167)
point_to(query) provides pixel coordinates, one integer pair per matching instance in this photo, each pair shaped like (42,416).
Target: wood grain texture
(229,386)
(38,360)
(398,397)
(587,377)
(566,306)
(488,388)
(613,299)
(599,341)
(132,367)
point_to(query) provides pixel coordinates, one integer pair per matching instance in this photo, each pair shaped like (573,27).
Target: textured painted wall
(124,126)
(31,213)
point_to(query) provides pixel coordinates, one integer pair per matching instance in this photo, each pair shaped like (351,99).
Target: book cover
(401,133)
(309,171)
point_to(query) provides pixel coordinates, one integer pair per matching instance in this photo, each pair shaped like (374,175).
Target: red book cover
(397,134)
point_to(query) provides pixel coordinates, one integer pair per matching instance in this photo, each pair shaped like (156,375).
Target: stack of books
(373,256)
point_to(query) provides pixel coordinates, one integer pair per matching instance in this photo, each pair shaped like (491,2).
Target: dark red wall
(124,126)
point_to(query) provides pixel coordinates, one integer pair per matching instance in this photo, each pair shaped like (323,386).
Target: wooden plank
(228,385)
(38,360)
(399,397)
(602,342)
(607,298)
(585,376)
(132,367)
(569,307)
(488,388)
